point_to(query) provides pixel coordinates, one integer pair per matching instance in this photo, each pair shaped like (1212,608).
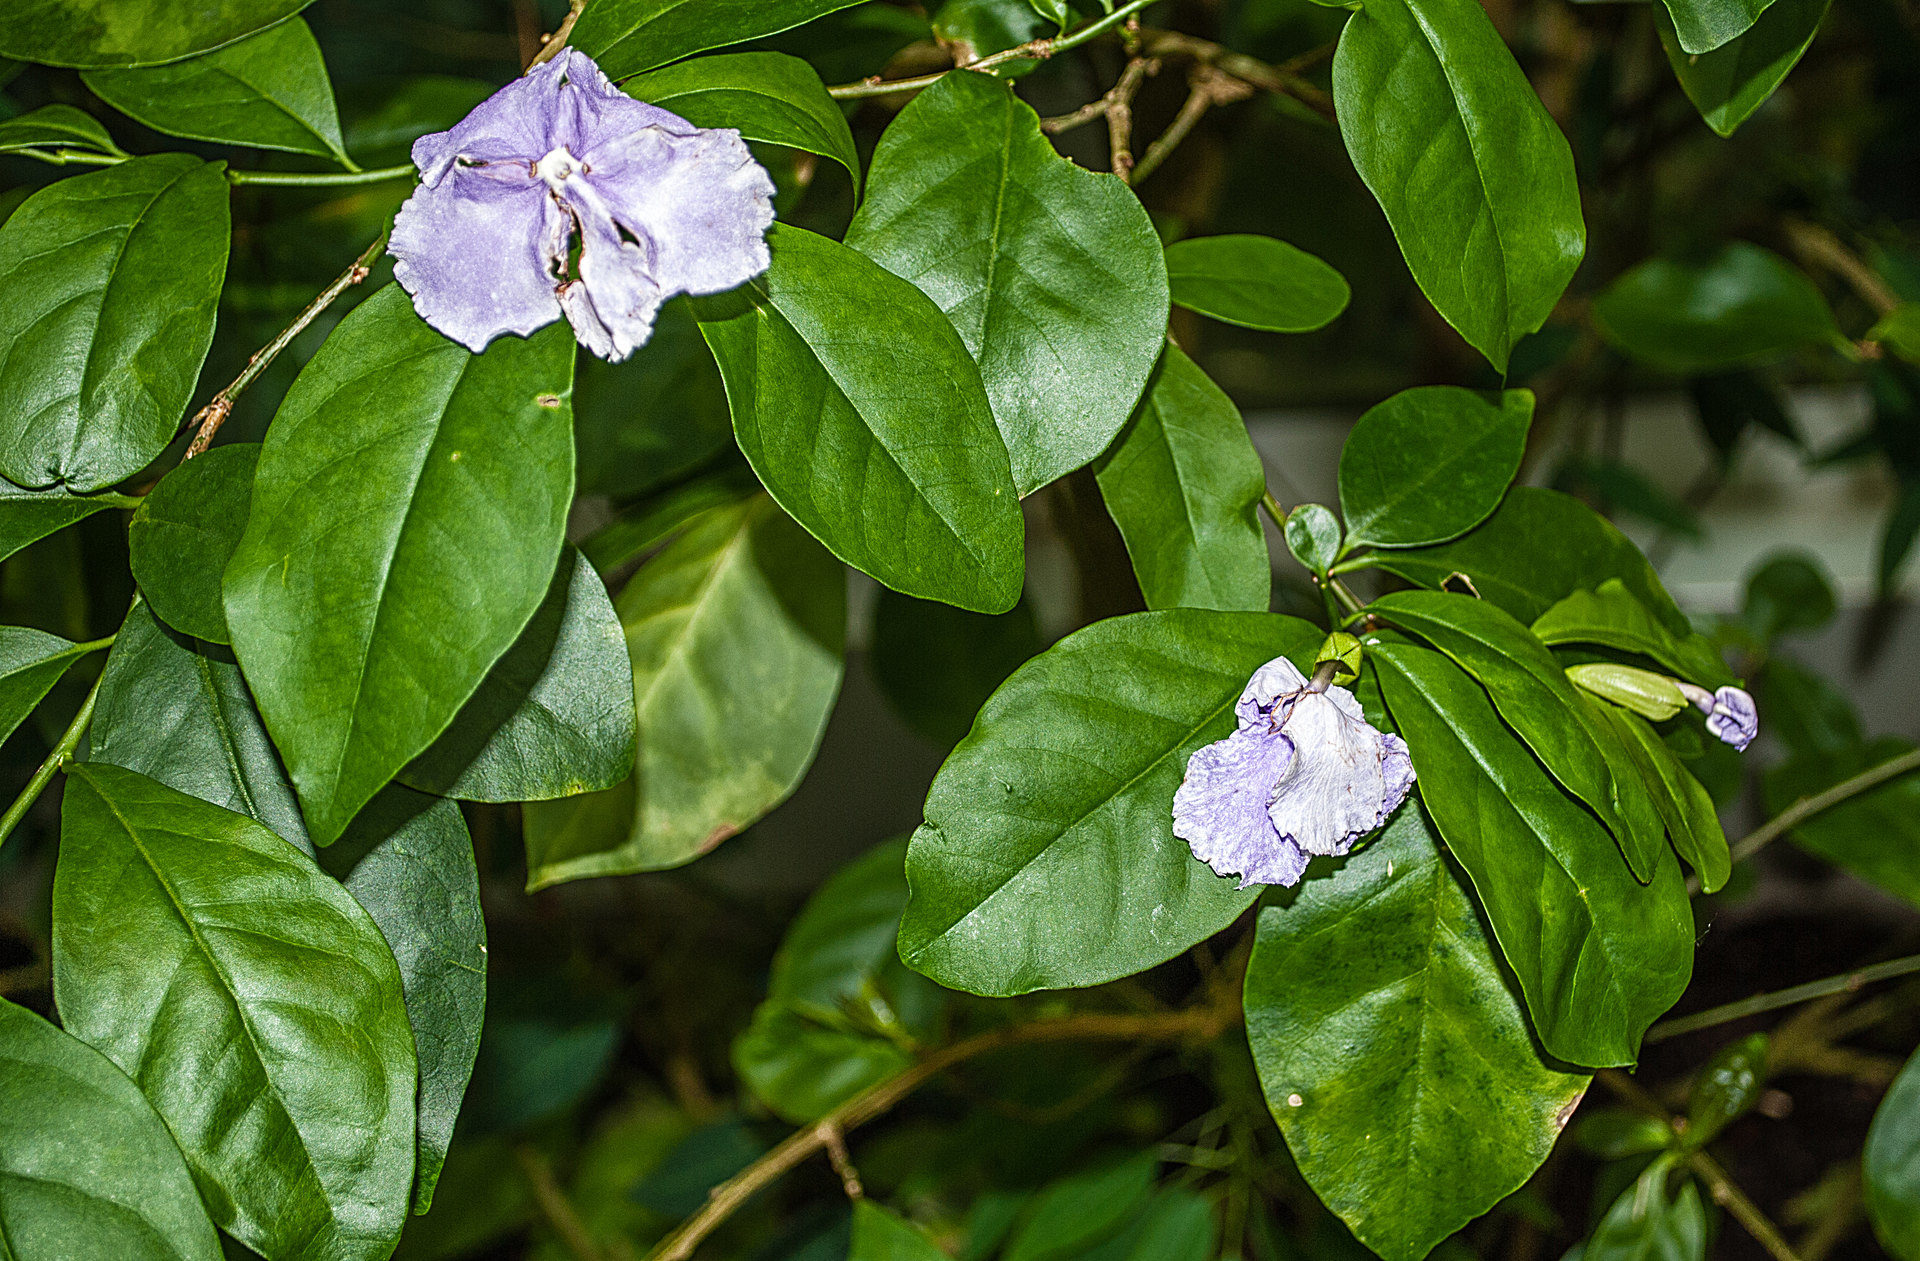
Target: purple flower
(1302,774)
(560,159)
(1731,714)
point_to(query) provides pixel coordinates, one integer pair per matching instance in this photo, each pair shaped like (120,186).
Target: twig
(322,179)
(1200,1022)
(1211,86)
(555,42)
(62,753)
(1805,808)
(1120,118)
(1816,244)
(1032,50)
(554,1205)
(1730,1197)
(1287,79)
(841,1160)
(214,414)
(1846,982)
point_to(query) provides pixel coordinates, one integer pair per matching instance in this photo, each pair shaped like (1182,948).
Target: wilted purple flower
(1302,774)
(1731,714)
(559,159)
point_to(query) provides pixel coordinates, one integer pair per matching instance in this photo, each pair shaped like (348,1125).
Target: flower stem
(61,755)
(319,179)
(1032,50)
(1846,982)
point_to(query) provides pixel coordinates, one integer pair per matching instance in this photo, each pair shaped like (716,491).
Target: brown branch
(1199,1023)
(1211,86)
(1287,79)
(1816,244)
(841,1160)
(551,45)
(554,1205)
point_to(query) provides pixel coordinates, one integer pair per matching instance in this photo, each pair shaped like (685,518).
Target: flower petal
(515,124)
(1338,787)
(1220,809)
(1734,719)
(612,305)
(474,252)
(1270,684)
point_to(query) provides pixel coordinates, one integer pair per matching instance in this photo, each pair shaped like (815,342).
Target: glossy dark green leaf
(86,1167)
(409,861)
(1052,273)
(1393,1054)
(1081,1209)
(1727,1088)
(1892,1161)
(1539,547)
(1648,1224)
(937,665)
(55,127)
(88,33)
(1704,25)
(267,91)
(1472,172)
(1534,696)
(407,519)
(27,516)
(626,36)
(1183,483)
(735,632)
(980,28)
(1875,835)
(1790,593)
(1314,536)
(1728,84)
(1742,303)
(1597,956)
(554,716)
(1048,857)
(769,97)
(880,1234)
(31,662)
(1613,616)
(1692,823)
(110,283)
(863,415)
(803,1069)
(1430,463)
(1255,282)
(253,1002)
(184,533)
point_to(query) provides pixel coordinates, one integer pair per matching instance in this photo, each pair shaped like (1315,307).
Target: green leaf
(432,484)
(1726,1089)
(1183,483)
(1597,956)
(769,97)
(803,1069)
(1742,303)
(840,944)
(1645,1224)
(1394,1055)
(1081,1209)
(1615,1134)
(1555,719)
(1789,594)
(184,533)
(1876,834)
(1704,25)
(27,516)
(1175,1225)
(267,91)
(55,127)
(1728,84)
(110,283)
(409,861)
(937,665)
(627,36)
(252,1001)
(1430,463)
(735,630)
(654,419)
(1048,858)
(1539,547)
(86,1168)
(92,33)
(554,716)
(1052,273)
(1898,331)
(980,28)
(31,662)
(180,713)
(1613,616)
(1255,282)
(1807,713)
(879,1234)
(1687,810)
(1472,172)
(1314,536)
(862,413)
(1892,1160)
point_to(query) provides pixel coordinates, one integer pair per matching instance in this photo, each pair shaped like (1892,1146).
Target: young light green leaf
(1742,303)
(1892,1161)
(554,716)
(735,631)
(1183,483)
(862,413)
(627,36)
(769,97)
(1613,616)
(1898,331)
(880,1234)
(1875,835)
(1379,1017)
(55,127)
(1728,84)
(92,33)
(267,91)
(409,861)
(1647,1224)
(1314,536)
(1430,463)
(1472,172)
(110,282)
(31,662)
(253,1002)
(803,1068)
(1597,956)
(1052,273)
(432,484)
(1255,282)
(86,1167)
(27,516)
(1048,858)
(1701,26)
(184,533)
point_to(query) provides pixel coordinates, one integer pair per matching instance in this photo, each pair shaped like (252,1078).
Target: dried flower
(1731,714)
(1302,774)
(560,160)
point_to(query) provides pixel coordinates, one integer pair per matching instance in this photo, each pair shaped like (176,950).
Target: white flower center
(556,167)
